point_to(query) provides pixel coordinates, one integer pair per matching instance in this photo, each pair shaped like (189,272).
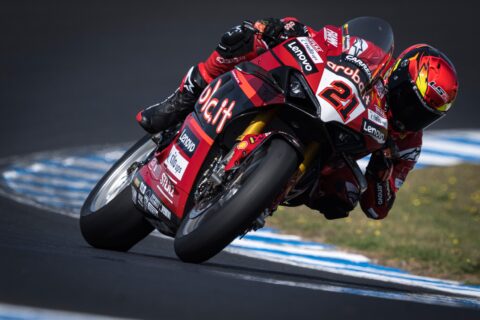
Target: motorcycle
(258,138)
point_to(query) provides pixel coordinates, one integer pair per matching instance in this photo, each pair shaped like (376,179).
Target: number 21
(340,96)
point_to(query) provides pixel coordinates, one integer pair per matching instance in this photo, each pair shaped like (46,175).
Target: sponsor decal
(353,74)
(136,182)
(314,44)
(410,154)
(151,209)
(379,194)
(359,63)
(166,212)
(142,188)
(303,59)
(154,168)
(234,30)
(211,114)
(187,82)
(176,163)
(188,142)
(380,111)
(378,119)
(134,195)
(140,200)
(167,186)
(440,91)
(374,131)
(154,201)
(359,46)
(388,191)
(155,206)
(331,37)
(234,60)
(311,51)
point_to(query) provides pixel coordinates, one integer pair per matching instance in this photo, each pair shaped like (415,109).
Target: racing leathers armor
(336,192)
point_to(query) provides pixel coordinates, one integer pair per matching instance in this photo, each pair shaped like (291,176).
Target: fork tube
(258,124)
(310,153)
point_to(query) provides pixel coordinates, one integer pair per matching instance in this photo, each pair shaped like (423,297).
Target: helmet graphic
(421,87)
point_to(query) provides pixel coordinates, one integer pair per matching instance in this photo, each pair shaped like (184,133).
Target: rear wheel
(108,219)
(211,225)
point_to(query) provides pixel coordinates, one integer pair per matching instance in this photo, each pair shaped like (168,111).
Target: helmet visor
(410,113)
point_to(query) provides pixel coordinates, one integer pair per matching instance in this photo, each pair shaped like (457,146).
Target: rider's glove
(380,167)
(293,28)
(378,199)
(238,41)
(271,30)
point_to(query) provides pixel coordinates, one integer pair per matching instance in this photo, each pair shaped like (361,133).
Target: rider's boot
(176,107)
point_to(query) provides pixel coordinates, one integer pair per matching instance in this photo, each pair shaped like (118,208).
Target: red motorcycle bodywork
(170,175)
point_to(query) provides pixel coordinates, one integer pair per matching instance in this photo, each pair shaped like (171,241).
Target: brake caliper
(243,148)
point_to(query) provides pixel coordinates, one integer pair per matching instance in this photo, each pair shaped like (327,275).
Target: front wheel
(108,219)
(210,227)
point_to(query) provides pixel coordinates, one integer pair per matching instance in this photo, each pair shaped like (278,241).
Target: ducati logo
(212,114)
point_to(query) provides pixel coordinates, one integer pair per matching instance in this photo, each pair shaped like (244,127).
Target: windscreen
(368,43)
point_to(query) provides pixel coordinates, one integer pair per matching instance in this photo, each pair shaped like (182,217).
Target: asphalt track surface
(75,73)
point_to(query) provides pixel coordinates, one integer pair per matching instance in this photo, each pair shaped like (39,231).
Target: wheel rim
(201,213)
(119,179)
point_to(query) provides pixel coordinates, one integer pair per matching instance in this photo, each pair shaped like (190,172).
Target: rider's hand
(380,166)
(275,30)
(294,28)
(271,30)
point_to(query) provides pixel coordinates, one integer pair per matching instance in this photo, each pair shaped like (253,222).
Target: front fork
(258,124)
(255,128)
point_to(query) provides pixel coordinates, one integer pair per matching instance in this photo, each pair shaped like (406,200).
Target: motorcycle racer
(419,90)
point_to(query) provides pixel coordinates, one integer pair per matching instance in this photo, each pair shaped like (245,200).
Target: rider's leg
(175,107)
(237,45)
(336,192)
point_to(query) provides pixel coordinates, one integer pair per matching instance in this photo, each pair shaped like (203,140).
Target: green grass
(433,228)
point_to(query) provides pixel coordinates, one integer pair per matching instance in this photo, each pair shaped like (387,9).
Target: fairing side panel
(170,175)
(230,95)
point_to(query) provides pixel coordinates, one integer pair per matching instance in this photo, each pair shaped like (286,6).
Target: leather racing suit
(336,192)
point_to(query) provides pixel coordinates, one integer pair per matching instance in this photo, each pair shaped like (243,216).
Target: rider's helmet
(421,88)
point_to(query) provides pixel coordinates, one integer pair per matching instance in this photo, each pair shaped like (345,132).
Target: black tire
(201,236)
(116,224)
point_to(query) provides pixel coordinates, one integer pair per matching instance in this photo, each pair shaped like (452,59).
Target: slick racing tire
(208,228)
(108,218)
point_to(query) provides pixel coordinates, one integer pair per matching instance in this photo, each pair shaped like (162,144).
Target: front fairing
(339,78)
(233,94)
(342,66)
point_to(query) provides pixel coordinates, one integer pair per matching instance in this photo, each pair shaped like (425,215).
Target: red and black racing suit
(337,191)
